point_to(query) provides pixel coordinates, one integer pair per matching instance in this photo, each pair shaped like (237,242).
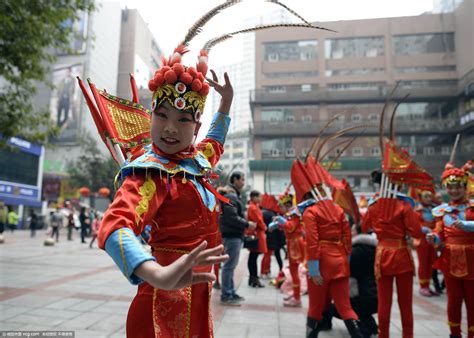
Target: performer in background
(426,252)
(455,231)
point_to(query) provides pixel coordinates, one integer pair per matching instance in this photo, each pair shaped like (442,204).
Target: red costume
(426,252)
(457,257)
(294,233)
(156,199)
(392,219)
(328,240)
(254,214)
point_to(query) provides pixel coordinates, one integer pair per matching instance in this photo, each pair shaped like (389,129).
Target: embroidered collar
(190,166)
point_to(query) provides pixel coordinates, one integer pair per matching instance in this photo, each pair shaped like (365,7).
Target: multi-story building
(306,77)
(139,55)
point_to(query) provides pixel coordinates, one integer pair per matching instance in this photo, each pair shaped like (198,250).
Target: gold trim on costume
(147,190)
(189,291)
(122,252)
(451,324)
(156,327)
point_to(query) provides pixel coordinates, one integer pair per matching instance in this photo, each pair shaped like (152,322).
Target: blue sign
(25,146)
(8,189)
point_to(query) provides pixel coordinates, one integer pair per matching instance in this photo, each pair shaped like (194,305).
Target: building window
(357,151)
(423,43)
(354,47)
(373,117)
(428,150)
(291,50)
(306,88)
(274,147)
(307,118)
(412,151)
(375,151)
(279,75)
(445,150)
(276,89)
(356,86)
(351,72)
(356,117)
(428,83)
(338,151)
(304,151)
(427,69)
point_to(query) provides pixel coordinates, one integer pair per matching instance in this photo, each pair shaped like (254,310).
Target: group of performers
(166,184)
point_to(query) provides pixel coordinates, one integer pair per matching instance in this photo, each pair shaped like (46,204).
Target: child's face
(171,130)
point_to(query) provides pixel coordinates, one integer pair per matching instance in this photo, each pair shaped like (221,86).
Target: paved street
(72,287)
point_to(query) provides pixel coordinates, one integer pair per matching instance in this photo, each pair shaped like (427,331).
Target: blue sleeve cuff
(281,220)
(313,267)
(219,127)
(425,230)
(127,252)
(468,226)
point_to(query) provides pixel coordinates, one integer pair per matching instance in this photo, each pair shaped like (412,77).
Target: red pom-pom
(468,166)
(200,77)
(186,78)
(164,69)
(204,89)
(159,79)
(196,85)
(178,68)
(192,71)
(152,85)
(170,77)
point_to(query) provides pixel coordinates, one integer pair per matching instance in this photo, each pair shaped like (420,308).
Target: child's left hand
(226,91)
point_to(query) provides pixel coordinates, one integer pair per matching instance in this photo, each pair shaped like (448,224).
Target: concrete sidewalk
(71,287)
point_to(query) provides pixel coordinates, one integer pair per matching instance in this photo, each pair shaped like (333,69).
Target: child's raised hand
(226,91)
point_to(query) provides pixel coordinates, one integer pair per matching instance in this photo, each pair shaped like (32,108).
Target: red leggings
(216,272)
(266,261)
(458,290)
(405,302)
(338,290)
(296,279)
(426,258)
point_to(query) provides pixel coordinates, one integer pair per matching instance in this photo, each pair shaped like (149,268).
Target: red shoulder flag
(344,197)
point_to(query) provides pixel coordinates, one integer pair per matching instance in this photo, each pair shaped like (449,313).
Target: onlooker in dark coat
(275,240)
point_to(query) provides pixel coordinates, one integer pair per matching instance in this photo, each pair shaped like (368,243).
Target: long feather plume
(316,140)
(199,24)
(336,135)
(335,146)
(211,43)
(382,116)
(391,131)
(342,151)
(453,151)
(290,10)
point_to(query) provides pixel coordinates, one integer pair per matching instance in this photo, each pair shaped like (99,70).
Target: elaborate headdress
(124,125)
(451,174)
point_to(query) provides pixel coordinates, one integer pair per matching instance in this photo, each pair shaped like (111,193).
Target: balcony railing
(318,95)
(300,128)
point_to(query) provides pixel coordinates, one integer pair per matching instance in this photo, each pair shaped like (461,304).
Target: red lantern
(104,192)
(84,191)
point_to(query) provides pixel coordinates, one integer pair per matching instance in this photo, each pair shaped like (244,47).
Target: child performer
(426,252)
(455,229)
(292,225)
(167,187)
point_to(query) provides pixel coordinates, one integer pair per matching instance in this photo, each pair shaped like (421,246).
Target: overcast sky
(170,19)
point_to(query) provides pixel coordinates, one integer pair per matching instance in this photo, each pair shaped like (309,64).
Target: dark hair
(254,193)
(376,176)
(236,175)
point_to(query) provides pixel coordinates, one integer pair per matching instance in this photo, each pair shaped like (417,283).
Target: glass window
(427,69)
(423,43)
(428,150)
(357,151)
(291,50)
(428,83)
(427,110)
(356,86)
(354,47)
(375,151)
(277,115)
(350,72)
(278,75)
(274,147)
(445,150)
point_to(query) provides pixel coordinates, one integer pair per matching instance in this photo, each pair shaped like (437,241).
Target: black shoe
(312,328)
(326,323)
(238,298)
(216,286)
(230,302)
(352,326)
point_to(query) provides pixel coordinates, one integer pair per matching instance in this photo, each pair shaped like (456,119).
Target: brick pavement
(71,287)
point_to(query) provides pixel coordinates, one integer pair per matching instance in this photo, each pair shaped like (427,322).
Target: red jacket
(328,238)
(392,219)
(294,233)
(254,214)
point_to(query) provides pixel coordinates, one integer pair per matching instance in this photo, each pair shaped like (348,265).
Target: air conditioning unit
(274,152)
(307,118)
(290,152)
